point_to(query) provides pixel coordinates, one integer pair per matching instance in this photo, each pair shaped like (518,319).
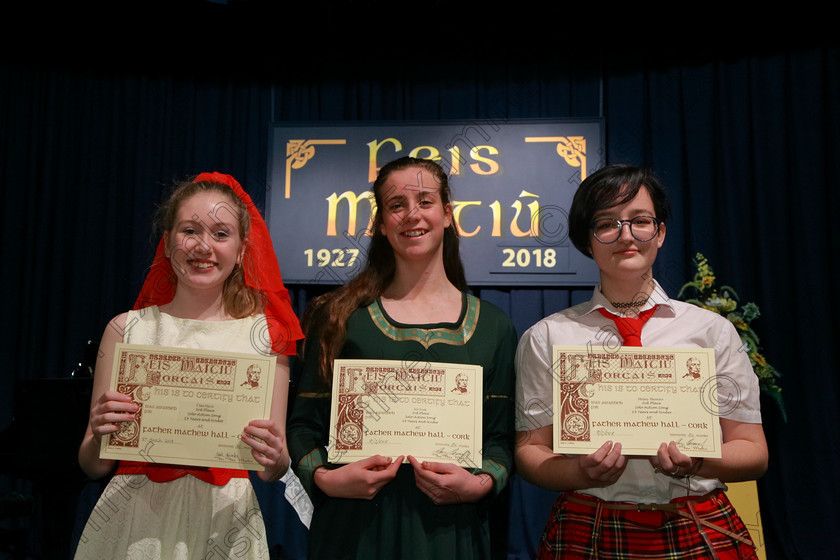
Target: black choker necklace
(626,305)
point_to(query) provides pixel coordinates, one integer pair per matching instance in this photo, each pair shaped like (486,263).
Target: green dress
(401,521)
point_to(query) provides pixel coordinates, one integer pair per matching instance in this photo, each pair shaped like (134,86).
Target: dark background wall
(101,111)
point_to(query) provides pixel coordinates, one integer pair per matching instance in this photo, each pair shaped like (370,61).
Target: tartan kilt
(578,531)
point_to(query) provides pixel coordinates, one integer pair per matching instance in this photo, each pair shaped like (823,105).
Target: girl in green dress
(409,303)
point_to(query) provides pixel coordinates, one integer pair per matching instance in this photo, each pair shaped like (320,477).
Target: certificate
(194,405)
(636,396)
(431,411)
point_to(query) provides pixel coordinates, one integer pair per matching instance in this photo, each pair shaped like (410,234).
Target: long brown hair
(329,312)
(240,300)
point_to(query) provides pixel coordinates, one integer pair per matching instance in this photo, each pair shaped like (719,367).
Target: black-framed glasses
(608,230)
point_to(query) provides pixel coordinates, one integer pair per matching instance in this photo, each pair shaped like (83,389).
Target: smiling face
(413,217)
(205,242)
(627,258)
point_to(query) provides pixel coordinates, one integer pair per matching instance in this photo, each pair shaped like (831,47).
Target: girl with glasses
(614,505)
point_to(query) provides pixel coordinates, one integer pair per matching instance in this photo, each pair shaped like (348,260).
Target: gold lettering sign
(512,184)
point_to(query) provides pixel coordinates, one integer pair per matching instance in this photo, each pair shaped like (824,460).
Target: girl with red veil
(214,284)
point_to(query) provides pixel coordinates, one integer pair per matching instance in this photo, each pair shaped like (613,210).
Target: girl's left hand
(268,447)
(447,483)
(671,461)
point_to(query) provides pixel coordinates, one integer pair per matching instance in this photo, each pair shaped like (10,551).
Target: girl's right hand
(603,467)
(362,479)
(108,411)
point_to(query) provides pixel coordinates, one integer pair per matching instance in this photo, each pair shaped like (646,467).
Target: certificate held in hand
(639,397)
(432,411)
(193,404)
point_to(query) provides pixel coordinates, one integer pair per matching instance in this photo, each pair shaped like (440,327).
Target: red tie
(630,328)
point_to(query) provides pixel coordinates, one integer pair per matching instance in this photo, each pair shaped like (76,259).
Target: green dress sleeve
(498,426)
(308,425)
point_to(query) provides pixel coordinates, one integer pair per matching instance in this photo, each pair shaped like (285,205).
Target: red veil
(260,268)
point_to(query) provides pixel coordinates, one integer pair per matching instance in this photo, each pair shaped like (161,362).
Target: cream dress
(186,518)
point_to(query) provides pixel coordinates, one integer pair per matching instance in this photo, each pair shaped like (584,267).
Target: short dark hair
(611,186)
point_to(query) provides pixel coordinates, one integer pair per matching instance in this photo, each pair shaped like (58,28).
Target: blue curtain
(746,143)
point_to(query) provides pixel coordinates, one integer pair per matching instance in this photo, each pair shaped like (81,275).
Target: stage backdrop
(512,183)
(746,142)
